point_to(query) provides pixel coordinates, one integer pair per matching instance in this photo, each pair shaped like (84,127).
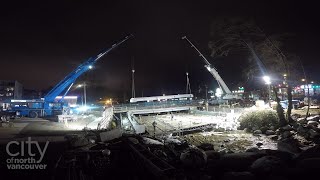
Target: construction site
(170,101)
(162,137)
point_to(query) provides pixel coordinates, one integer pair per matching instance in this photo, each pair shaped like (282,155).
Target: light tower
(188,88)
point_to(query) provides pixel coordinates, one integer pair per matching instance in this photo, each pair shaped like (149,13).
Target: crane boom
(211,69)
(82,68)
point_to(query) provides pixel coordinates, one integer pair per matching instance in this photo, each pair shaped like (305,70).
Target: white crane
(228,94)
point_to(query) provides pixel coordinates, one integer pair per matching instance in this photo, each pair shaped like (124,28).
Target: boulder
(76,140)
(289,145)
(264,129)
(253,149)
(257,132)
(212,155)
(193,158)
(273,137)
(313,152)
(313,118)
(295,126)
(272,128)
(302,129)
(286,128)
(270,132)
(284,156)
(151,141)
(295,116)
(313,133)
(133,140)
(286,134)
(313,123)
(268,165)
(259,144)
(302,120)
(226,140)
(206,146)
(238,161)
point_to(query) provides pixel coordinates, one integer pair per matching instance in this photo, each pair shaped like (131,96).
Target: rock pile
(264,164)
(298,155)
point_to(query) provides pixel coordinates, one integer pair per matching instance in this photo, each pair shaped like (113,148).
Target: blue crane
(47,105)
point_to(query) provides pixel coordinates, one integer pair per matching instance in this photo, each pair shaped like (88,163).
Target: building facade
(10,90)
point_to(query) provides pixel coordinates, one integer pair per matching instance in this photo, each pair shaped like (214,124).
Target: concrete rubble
(224,153)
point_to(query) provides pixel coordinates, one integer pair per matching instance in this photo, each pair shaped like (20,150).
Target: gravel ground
(168,123)
(236,141)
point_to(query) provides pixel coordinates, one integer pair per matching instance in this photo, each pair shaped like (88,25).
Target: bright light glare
(75,127)
(267,79)
(82,108)
(108,101)
(208,67)
(80,85)
(90,67)
(218,92)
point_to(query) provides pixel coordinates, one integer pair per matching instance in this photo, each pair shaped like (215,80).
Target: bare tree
(230,34)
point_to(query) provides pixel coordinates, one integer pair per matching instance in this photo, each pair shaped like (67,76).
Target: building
(10,90)
(314,90)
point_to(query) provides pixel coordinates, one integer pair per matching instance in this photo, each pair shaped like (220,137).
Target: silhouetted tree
(234,34)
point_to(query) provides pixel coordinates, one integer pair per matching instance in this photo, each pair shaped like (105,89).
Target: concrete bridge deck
(154,111)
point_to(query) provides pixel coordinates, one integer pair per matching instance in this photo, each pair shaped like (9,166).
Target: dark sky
(41,42)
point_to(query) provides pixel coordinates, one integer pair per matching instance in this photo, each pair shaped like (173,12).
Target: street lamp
(84,92)
(267,81)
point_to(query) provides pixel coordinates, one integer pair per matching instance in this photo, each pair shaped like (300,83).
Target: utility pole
(133,92)
(207,103)
(85,94)
(206,93)
(188,88)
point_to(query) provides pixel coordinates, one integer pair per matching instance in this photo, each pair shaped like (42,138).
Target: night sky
(41,42)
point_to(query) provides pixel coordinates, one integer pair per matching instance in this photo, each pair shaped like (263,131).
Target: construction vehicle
(6,115)
(47,106)
(226,94)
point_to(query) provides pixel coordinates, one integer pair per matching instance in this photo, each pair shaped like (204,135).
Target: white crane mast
(228,94)
(212,70)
